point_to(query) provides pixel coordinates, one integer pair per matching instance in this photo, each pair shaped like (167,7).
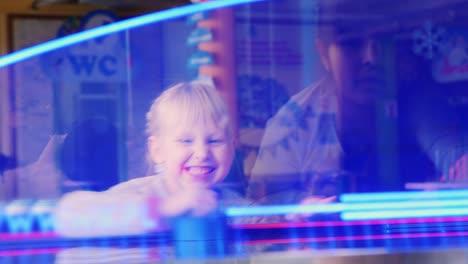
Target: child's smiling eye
(185,140)
(215,141)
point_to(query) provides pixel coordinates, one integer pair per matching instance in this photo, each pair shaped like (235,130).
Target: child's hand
(193,199)
(308,201)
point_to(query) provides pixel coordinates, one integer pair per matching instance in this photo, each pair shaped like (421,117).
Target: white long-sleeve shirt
(121,210)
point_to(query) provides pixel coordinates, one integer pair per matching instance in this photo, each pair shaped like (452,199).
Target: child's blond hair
(194,102)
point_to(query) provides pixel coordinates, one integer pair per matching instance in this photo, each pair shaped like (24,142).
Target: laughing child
(190,141)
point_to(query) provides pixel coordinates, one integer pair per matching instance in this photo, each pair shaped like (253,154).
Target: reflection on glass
(282,103)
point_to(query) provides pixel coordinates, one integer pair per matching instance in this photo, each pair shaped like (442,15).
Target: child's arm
(89,214)
(117,212)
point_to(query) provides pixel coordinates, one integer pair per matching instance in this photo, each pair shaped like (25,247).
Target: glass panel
(356,108)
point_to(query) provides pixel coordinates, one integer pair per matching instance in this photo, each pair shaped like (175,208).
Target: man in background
(360,128)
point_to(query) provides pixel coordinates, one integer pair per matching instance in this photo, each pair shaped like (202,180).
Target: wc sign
(99,59)
(95,66)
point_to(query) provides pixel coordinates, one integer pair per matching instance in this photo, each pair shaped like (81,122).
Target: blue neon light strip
(282,209)
(116,27)
(389,214)
(343,207)
(396,196)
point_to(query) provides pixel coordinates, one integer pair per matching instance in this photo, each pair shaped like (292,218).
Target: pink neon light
(350,223)
(344,238)
(22,252)
(28,236)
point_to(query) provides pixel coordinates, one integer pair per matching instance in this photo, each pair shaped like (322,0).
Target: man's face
(355,63)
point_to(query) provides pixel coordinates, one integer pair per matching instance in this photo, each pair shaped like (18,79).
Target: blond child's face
(197,153)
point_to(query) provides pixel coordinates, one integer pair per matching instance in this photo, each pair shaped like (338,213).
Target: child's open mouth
(200,172)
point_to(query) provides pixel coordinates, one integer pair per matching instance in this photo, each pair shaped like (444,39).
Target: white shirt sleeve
(109,213)
(278,164)
(299,140)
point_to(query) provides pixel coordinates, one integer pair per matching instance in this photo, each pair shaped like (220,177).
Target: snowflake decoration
(429,41)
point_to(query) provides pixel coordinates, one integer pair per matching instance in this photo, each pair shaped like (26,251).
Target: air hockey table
(403,230)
